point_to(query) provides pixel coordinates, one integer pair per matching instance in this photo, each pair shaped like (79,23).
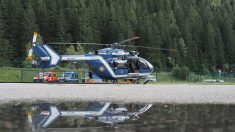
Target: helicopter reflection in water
(44,114)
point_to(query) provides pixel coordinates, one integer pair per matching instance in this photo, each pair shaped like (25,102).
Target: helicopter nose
(151,67)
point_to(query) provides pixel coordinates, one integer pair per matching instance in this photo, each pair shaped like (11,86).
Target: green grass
(27,74)
(167,78)
(193,83)
(9,75)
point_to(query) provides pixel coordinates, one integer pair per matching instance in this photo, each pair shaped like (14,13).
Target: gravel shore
(175,93)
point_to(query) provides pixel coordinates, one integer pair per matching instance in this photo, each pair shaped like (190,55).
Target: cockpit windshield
(143,64)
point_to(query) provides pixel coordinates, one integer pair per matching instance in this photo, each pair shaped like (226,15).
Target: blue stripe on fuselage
(40,52)
(98,68)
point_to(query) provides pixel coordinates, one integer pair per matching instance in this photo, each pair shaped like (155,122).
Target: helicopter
(44,114)
(109,63)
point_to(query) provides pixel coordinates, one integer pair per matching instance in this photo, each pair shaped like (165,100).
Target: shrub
(232,67)
(181,72)
(175,71)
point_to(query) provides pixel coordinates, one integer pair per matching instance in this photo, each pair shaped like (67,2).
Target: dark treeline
(202,31)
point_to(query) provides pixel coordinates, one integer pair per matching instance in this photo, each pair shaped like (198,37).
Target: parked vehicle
(70,77)
(46,77)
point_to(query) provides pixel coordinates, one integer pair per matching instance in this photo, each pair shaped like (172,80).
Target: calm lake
(105,116)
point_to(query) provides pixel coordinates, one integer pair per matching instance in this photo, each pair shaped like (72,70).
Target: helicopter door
(133,65)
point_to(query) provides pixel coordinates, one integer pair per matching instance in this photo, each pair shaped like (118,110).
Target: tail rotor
(47,56)
(30,51)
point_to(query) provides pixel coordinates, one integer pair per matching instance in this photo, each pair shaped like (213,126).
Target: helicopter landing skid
(127,81)
(137,80)
(150,79)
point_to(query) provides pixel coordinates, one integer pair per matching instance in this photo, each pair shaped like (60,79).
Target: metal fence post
(225,77)
(21,75)
(171,77)
(200,79)
(156,73)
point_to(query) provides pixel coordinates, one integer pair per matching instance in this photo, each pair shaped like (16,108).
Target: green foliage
(75,50)
(181,52)
(201,31)
(232,67)
(4,43)
(181,73)
(9,75)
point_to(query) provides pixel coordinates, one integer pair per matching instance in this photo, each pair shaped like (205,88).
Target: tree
(229,40)
(6,49)
(75,51)
(219,47)
(210,52)
(42,18)
(28,26)
(13,31)
(203,28)
(181,53)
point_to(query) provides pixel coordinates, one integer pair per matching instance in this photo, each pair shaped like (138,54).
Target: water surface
(158,117)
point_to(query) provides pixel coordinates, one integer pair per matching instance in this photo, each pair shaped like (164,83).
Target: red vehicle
(46,77)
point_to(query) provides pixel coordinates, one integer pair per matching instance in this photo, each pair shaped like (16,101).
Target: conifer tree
(219,47)
(5,48)
(210,53)
(202,28)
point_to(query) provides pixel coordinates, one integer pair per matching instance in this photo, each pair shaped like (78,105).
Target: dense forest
(202,31)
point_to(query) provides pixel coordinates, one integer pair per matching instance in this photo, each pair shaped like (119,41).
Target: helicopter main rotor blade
(114,44)
(60,43)
(127,40)
(144,47)
(99,44)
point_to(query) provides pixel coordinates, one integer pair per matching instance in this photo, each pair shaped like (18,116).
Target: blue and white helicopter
(44,114)
(108,63)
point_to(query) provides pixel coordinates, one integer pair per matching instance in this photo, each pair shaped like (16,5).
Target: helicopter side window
(111,63)
(114,53)
(120,63)
(132,65)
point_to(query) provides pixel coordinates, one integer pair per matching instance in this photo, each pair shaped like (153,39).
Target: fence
(197,77)
(10,75)
(27,75)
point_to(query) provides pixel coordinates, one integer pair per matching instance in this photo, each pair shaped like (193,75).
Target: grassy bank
(10,75)
(167,78)
(26,75)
